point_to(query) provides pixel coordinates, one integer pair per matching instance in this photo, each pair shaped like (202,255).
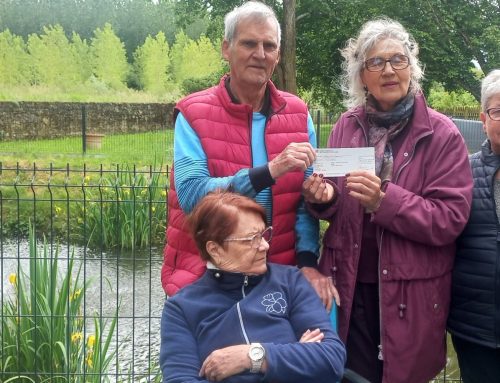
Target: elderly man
(245,135)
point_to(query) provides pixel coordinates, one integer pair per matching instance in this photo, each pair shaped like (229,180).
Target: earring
(366,91)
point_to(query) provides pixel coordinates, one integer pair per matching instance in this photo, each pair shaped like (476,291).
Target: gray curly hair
(251,9)
(357,48)
(490,86)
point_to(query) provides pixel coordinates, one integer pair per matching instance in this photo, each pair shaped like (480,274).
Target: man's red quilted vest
(224,129)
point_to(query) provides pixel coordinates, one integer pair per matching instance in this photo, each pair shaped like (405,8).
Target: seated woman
(245,320)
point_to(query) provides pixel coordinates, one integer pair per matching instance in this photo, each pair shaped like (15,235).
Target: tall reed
(42,331)
(125,210)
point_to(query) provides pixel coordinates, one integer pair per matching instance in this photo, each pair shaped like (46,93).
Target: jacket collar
(420,124)
(274,100)
(227,280)
(487,155)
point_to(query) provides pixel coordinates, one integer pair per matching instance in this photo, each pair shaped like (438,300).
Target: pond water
(130,281)
(123,281)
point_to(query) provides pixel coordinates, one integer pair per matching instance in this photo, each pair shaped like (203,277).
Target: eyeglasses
(377,64)
(493,113)
(256,239)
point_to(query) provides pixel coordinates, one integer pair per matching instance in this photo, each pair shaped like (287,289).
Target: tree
(109,59)
(198,59)
(13,60)
(440,99)
(151,62)
(81,52)
(177,54)
(53,59)
(451,35)
(132,20)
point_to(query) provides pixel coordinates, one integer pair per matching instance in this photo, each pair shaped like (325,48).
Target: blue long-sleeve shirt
(193,180)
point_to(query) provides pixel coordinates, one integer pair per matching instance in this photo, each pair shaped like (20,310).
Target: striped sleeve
(192,178)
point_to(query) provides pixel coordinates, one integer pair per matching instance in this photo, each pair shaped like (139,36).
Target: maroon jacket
(426,206)
(224,129)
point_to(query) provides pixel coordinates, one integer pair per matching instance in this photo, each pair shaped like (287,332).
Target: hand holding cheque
(357,165)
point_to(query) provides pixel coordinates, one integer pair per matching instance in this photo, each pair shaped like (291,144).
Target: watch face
(256,353)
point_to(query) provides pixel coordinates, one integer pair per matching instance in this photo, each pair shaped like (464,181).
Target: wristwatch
(256,353)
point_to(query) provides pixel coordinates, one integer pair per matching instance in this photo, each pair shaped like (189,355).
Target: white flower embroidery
(275,303)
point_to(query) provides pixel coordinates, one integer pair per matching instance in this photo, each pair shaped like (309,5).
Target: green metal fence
(81,254)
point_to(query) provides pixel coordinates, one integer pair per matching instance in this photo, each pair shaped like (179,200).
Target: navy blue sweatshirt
(224,309)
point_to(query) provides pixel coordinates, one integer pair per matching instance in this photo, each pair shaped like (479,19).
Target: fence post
(84,128)
(318,127)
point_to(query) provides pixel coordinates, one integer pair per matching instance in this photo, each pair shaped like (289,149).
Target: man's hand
(323,286)
(297,156)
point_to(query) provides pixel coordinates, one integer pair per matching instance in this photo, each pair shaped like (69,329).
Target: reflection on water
(129,281)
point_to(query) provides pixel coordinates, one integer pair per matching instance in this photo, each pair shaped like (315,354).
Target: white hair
(490,86)
(254,10)
(356,50)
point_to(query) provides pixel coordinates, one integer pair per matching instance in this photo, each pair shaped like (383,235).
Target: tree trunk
(286,72)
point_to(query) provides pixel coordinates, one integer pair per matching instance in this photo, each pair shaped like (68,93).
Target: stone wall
(37,120)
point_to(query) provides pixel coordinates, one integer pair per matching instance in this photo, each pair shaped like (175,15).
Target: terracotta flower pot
(93,140)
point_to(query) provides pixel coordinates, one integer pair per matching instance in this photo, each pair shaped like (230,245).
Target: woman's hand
(316,190)
(323,286)
(226,362)
(312,336)
(365,187)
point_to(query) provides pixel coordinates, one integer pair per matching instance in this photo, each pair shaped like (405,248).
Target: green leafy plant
(42,332)
(126,211)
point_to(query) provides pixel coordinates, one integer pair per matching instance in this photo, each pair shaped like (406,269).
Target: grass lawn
(140,149)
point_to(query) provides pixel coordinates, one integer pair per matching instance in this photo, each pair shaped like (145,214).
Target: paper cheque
(337,162)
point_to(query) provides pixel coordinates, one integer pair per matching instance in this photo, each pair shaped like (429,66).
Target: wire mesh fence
(81,253)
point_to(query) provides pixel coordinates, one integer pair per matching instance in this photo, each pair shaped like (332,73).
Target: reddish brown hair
(215,217)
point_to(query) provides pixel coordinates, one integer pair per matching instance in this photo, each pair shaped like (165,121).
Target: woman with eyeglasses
(390,245)
(474,320)
(245,320)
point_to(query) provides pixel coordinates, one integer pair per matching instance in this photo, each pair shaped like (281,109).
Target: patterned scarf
(384,126)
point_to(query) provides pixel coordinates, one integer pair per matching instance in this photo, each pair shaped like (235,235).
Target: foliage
(109,58)
(450,37)
(152,63)
(191,85)
(177,54)
(92,90)
(133,20)
(13,60)
(126,211)
(81,51)
(194,59)
(43,335)
(54,61)
(60,220)
(451,34)
(440,99)
(199,59)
